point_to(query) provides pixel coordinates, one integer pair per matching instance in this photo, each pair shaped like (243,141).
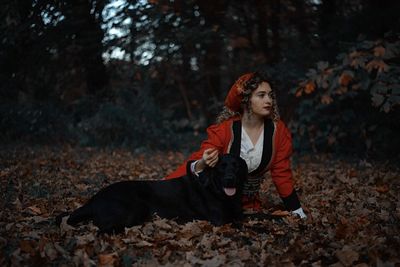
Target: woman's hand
(300,212)
(209,159)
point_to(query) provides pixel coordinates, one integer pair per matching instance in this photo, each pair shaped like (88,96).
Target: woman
(249,126)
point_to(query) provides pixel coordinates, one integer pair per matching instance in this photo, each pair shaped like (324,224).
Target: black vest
(255,177)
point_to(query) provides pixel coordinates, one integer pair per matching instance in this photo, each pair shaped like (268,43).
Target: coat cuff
(189,168)
(292,201)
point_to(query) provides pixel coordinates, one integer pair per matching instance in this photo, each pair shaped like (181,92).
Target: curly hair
(248,88)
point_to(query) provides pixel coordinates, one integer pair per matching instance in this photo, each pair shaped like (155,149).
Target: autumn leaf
(347,256)
(345,78)
(354,54)
(27,246)
(326,99)
(377,99)
(341,90)
(379,51)
(280,213)
(322,65)
(353,173)
(310,87)
(108,259)
(163,224)
(299,92)
(377,64)
(382,188)
(34,210)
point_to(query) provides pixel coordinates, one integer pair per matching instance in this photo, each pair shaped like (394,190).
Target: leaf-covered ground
(354,215)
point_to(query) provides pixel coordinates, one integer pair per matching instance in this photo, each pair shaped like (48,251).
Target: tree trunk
(88,37)
(275,27)
(262,28)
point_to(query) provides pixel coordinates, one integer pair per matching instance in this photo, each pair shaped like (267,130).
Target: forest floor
(353,215)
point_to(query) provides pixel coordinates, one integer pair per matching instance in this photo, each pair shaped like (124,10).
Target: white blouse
(252,154)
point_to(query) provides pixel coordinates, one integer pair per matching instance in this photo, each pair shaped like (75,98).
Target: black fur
(130,203)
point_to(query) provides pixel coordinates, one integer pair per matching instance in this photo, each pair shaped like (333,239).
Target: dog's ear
(206,176)
(243,170)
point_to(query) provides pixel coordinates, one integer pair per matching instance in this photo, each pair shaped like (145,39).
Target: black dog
(214,196)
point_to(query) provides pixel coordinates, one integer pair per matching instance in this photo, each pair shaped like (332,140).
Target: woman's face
(261,100)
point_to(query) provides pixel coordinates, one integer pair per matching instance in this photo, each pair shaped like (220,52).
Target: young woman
(249,126)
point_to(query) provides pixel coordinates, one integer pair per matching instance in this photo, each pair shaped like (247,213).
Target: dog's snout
(229,180)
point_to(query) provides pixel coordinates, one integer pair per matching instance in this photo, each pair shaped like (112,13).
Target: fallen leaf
(281,213)
(50,251)
(108,259)
(379,51)
(310,87)
(345,79)
(27,246)
(347,256)
(326,99)
(143,243)
(163,224)
(64,226)
(382,188)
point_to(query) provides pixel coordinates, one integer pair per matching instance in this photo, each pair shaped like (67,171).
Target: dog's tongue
(230,191)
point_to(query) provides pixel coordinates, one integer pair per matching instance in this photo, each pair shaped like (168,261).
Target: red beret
(235,94)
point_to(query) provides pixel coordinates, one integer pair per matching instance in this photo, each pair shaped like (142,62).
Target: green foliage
(37,122)
(352,105)
(133,119)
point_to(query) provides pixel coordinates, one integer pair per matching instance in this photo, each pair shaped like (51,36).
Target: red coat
(277,149)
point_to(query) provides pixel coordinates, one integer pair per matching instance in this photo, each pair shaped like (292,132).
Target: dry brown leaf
(347,256)
(353,173)
(382,188)
(244,254)
(64,226)
(326,99)
(108,259)
(380,65)
(27,246)
(81,258)
(379,51)
(310,87)
(299,92)
(281,213)
(85,239)
(190,230)
(163,224)
(345,79)
(143,243)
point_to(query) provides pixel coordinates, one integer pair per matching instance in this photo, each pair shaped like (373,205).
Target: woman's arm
(281,171)
(216,141)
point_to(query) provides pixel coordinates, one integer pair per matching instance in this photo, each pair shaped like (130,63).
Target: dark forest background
(153,74)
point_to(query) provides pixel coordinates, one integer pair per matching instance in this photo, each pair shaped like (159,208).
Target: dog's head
(228,176)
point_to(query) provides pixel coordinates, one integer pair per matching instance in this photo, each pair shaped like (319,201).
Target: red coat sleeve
(216,138)
(281,171)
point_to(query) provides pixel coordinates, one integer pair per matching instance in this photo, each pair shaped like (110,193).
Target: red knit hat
(235,94)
